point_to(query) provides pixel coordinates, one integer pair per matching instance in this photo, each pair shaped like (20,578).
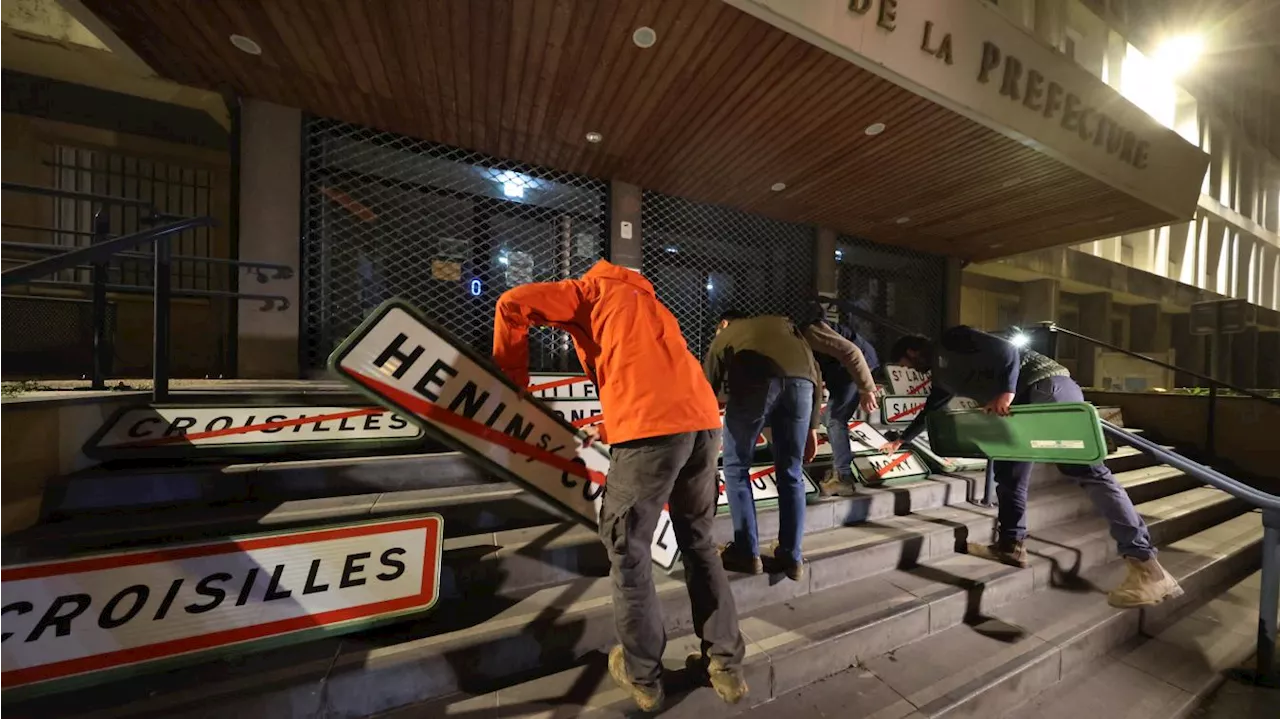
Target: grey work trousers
(677,470)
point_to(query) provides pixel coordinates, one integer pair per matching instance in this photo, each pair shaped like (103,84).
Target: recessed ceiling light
(594,137)
(778,186)
(644,37)
(874,128)
(902,220)
(1011,182)
(245,44)
(996,245)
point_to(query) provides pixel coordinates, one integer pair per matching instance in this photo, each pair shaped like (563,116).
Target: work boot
(835,485)
(739,560)
(649,699)
(728,683)
(1005,551)
(1147,583)
(793,569)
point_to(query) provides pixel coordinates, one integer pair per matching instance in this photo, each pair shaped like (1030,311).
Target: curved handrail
(1053,327)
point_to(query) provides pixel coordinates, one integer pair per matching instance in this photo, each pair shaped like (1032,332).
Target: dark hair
(918,343)
(733,314)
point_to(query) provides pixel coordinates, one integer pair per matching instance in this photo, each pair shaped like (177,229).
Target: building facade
(1135,289)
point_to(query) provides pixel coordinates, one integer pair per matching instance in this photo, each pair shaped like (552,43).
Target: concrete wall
(1245,427)
(270,193)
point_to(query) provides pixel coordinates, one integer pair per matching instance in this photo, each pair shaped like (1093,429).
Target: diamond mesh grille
(904,286)
(704,259)
(448,230)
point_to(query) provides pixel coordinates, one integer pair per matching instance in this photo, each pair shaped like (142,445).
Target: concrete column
(270,197)
(1149,330)
(1050,21)
(625,247)
(1095,321)
(1269,360)
(824,263)
(954,282)
(1039,302)
(1242,358)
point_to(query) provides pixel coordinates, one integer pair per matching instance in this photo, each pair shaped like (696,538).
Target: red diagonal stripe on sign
(557,383)
(919,387)
(896,461)
(753,475)
(587,420)
(907,411)
(427,410)
(190,436)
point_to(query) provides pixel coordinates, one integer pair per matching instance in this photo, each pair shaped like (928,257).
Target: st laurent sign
(97,617)
(967,56)
(404,360)
(186,431)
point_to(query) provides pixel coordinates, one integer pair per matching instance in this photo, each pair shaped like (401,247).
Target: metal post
(989,491)
(160,344)
(101,357)
(1269,602)
(1211,423)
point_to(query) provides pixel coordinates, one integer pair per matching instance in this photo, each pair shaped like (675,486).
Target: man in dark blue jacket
(997,375)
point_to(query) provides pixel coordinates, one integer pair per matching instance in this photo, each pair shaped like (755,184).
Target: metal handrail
(84,196)
(1054,327)
(101,251)
(283,272)
(279,303)
(1269,599)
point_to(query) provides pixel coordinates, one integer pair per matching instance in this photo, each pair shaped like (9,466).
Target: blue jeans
(842,404)
(1108,497)
(785,404)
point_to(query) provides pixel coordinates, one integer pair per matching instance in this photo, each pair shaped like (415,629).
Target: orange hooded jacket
(629,343)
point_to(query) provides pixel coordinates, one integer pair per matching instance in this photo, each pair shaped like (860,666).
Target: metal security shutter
(902,285)
(704,259)
(448,230)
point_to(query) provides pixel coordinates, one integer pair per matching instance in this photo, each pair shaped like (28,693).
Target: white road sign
(111,614)
(879,467)
(407,362)
(764,485)
(904,380)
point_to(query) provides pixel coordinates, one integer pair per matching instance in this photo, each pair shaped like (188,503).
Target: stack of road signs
(910,390)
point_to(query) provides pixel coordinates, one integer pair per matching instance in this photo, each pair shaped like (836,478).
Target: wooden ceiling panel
(720,109)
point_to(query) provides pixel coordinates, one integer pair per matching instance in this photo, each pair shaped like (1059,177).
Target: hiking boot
(649,699)
(1005,551)
(834,485)
(737,560)
(728,683)
(793,569)
(1147,583)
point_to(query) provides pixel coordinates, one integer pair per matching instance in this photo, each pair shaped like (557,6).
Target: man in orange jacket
(662,421)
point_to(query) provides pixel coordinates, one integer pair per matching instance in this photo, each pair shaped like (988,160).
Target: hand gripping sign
(410,364)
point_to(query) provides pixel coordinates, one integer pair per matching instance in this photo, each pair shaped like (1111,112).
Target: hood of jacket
(603,270)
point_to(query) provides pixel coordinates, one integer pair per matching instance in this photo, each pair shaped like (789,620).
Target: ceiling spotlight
(245,44)
(594,137)
(874,128)
(644,37)
(778,186)
(902,220)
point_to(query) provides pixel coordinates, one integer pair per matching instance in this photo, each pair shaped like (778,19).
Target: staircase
(890,621)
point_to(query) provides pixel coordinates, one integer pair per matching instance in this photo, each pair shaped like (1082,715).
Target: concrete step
(491,639)
(977,626)
(1165,674)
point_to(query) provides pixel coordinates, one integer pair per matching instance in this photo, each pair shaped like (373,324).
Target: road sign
(562,386)
(244,430)
(410,363)
(90,619)
(863,439)
(904,380)
(1059,432)
(764,487)
(875,468)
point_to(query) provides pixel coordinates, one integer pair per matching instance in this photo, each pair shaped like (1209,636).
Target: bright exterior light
(1178,54)
(1020,340)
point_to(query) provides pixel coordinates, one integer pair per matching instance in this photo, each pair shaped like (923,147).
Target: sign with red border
(406,362)
(89,619)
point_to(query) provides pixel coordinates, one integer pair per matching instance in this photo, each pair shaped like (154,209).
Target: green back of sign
(1067,433)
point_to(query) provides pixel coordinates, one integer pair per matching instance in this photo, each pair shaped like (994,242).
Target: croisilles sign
(178,431)
(95,617)
(408,362)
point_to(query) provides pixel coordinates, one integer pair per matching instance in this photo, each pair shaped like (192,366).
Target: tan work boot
(649,699)
(794,570)
(833,485)
(739,560)
(728,683)
(1004,551)
(1147,583)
